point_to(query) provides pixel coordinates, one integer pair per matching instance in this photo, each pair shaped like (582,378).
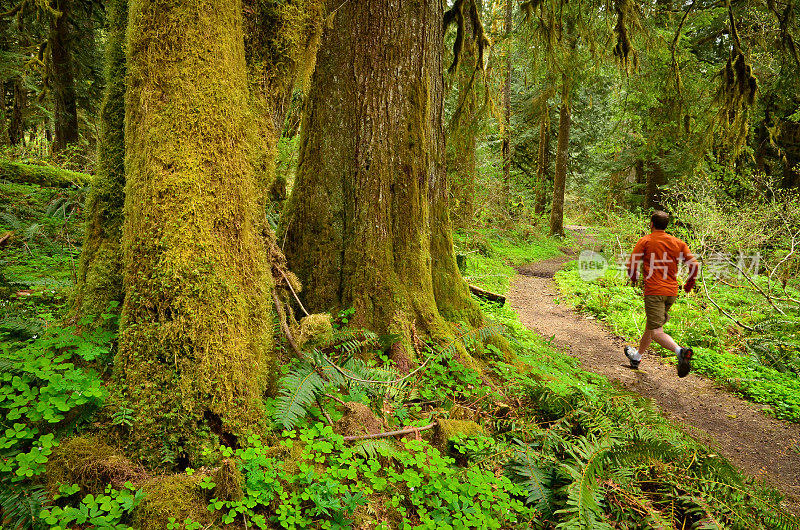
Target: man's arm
(694,269)
(634,261)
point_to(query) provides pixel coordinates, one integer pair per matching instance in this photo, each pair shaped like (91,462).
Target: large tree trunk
(100,267)
(195,353)
(61,77)
(369,207)
(543,162)
(562,156)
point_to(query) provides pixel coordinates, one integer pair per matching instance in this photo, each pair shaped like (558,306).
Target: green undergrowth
(490,255)
(525,442)
(761,365)
(42,230)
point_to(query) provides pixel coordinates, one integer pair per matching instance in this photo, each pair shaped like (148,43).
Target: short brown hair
(659,219)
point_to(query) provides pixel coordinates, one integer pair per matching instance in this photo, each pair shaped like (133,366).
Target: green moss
(178,496)
(195,354)
(100,266)
(90,463)
(315,329)
(449,430)
(228,481)
(42,175)
(358,419)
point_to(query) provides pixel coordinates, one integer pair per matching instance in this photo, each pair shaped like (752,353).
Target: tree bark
(281,39)
(195,349)
(655,179)
(4,138)
(62,77)
(16,127)
(506,148)
(100,267)
(562,157)
(367,225)
(543,162)
(462,162)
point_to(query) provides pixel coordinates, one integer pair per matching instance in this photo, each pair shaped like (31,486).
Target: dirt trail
(761,446)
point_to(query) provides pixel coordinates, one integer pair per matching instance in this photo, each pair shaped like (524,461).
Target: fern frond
(9,219)
(299,389)
(20,506)
(538,482)
(373,449)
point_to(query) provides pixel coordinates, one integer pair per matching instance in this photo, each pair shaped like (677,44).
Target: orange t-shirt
(659,254)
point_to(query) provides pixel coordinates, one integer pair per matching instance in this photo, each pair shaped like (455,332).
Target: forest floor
(761,446)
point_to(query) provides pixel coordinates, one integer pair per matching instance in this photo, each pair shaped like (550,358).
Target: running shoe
(633,356)
(684,361)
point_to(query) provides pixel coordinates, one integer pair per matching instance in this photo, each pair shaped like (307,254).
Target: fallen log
(49,176)
(487,295)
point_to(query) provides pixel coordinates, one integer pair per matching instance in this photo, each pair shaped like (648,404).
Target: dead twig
(389,434)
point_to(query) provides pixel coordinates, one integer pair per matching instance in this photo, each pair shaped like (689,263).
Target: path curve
(763,447)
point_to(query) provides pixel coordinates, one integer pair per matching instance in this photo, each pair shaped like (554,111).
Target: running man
(659,255)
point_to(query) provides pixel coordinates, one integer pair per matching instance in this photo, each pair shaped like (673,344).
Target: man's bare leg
(660,337)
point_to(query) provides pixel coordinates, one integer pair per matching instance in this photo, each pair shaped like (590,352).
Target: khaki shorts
(656,308)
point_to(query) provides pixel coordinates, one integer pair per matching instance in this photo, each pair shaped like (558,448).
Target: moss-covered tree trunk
(281,38)
(367,225)
(562,157)
(100,267)
(61,76)
(656,177)
(195,351)
(462,130)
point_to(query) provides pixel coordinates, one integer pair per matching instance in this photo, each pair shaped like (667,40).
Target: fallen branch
(389,434)
(486,295)
(708,296)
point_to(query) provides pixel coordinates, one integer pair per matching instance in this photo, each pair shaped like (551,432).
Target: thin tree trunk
(371,188)
(4,139)
(195,348)
(280,43)
(562,156)
(506,148)
(543,162)
(655,179)
(66,109)
(462,162)
(100,267)
(16,127)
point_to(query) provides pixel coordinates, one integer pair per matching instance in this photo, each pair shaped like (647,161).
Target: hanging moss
(195,354)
